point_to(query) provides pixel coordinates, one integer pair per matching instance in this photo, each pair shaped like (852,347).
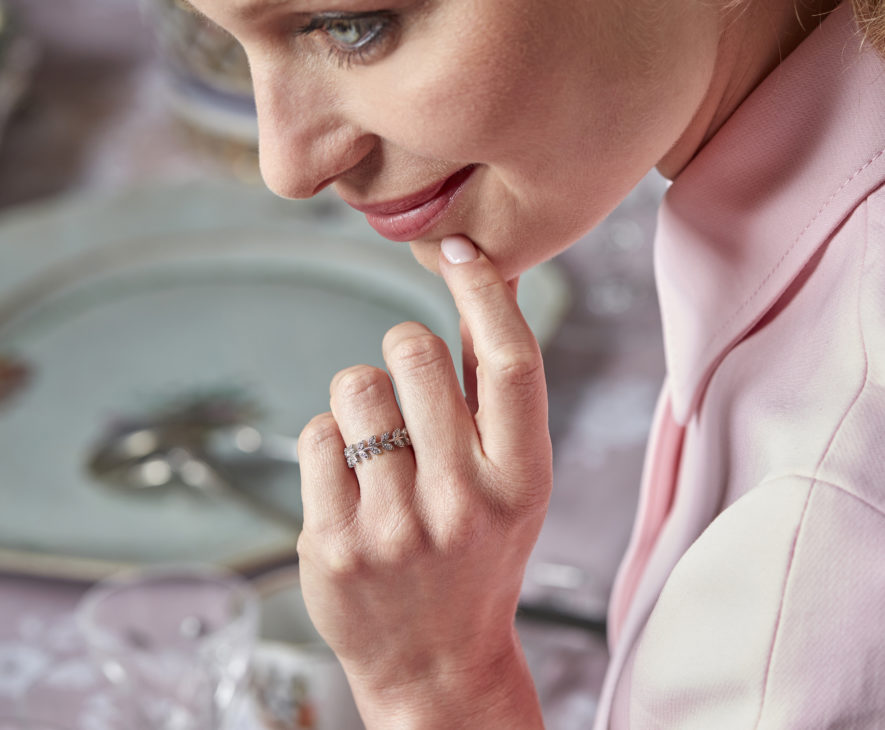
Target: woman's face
(519,123)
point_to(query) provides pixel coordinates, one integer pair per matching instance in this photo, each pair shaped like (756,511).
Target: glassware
(297,682)
(175,641)
(69,690)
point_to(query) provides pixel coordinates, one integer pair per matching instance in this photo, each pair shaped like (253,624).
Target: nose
(305,139)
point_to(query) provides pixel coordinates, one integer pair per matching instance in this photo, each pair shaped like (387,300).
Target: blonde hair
(870,16)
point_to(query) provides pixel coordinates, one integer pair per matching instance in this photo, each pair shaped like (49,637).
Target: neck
(755,36)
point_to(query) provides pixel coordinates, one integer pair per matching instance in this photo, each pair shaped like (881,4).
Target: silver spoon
(248,440)
(169,454)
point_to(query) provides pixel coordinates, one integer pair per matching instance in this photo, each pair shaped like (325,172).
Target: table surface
(93,121)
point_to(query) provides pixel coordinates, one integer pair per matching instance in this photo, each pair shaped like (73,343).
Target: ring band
(374,446)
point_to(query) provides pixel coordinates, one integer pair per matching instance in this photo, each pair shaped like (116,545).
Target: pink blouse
(753,591)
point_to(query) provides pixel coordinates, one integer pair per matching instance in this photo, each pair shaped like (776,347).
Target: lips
(408,218)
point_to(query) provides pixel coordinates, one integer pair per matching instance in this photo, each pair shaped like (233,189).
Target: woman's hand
(412,562)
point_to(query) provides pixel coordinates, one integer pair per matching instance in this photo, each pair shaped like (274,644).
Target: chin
(426,253)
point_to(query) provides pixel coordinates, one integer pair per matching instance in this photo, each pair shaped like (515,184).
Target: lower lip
(413,223)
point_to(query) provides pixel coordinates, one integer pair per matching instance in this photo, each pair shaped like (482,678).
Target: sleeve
(774,618)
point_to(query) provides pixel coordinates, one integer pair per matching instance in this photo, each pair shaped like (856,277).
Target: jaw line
(426,253)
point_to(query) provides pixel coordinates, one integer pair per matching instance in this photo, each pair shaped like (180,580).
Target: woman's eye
(353,33)
(351,37)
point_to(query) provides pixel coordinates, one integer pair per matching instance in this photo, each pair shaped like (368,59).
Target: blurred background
(149,284)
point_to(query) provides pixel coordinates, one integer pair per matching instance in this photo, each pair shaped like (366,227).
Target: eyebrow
(242,10)
(250,10)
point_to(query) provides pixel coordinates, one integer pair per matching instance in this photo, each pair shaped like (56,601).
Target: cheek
(442,116)
(457,93)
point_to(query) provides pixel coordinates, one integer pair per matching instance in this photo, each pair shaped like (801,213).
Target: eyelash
(382,25)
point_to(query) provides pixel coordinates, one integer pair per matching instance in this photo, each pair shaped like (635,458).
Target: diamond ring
(375,446)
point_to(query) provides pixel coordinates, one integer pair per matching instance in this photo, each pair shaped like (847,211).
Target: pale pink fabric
(662,466)
(753,591)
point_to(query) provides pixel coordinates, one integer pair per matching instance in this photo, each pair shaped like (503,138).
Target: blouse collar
(749,211)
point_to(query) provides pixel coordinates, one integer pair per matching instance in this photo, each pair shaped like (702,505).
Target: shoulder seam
(814,482)
(824,483)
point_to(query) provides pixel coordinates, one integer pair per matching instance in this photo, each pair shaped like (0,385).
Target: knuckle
(335,555)
(401,330)
(419,351)
(527,494)
(344,564)
(517,365)
(460,527)
(484,286)
(304,548)
(321,431)
(358,381)
(529,506)
(399,540)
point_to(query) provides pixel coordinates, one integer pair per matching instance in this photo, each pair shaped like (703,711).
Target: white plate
(118,305)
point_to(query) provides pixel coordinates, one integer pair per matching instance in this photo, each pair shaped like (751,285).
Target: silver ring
(375,446)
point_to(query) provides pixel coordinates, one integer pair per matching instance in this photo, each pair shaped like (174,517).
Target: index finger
(511,389)
(468,359)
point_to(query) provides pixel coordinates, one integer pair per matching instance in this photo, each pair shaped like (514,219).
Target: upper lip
(401,205)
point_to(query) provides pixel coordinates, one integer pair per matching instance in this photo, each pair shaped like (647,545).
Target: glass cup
(175,641)
(297,682)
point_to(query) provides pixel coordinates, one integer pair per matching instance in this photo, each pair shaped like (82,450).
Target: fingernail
(458,249)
